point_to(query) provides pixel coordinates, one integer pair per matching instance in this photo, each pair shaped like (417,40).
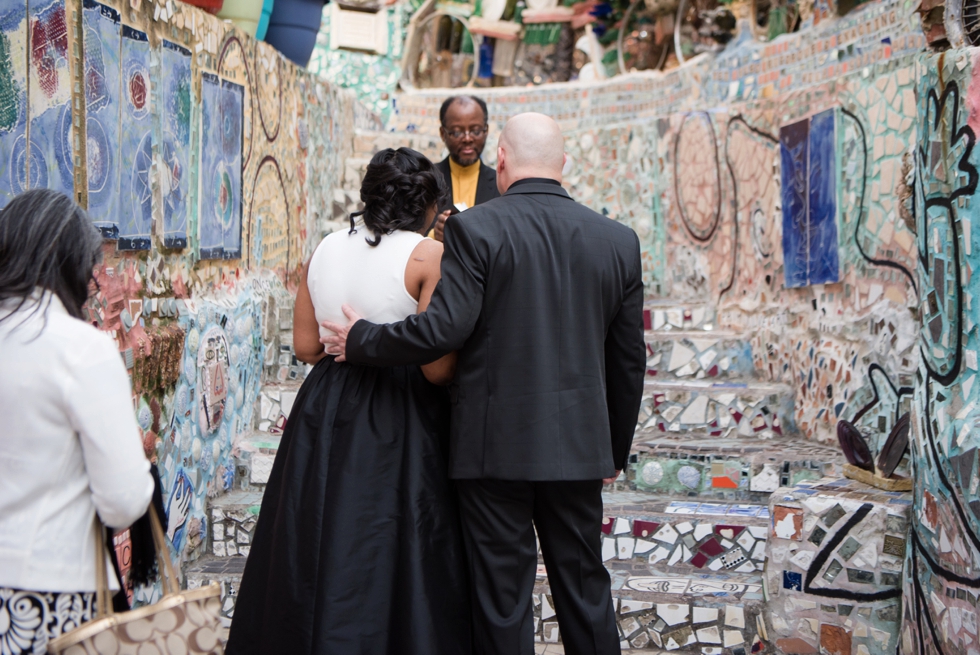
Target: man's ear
(502,173)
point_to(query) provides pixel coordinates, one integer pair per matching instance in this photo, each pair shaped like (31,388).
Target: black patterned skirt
(31,619)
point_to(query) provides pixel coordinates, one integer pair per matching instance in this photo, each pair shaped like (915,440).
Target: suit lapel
(486,185)
(447,175)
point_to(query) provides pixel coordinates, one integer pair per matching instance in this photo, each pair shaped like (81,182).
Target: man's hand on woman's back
(337,343)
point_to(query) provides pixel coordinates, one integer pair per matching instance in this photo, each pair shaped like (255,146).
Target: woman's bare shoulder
(428,252)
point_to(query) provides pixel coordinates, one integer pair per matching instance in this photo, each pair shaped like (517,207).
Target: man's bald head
(530,145)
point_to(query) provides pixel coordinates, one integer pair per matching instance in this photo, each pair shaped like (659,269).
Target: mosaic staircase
(685,538)
(232,516)
(704,614)
(687,523)
(700,380)
(685,575)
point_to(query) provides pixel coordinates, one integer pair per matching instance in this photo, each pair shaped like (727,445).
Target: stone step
(275,402)
(354,168)
(704,614)
(254,456)
(697,354)
(699,466)
(735,407)
(231,522)
(642,582)
(664,315)
(650,610)
(366,143)
(647,535)
(226,571)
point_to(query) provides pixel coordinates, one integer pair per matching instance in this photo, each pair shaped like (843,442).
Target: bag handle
(167,573)
(103,598)
(103,602)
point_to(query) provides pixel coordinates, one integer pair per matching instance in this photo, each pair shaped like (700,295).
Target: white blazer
(69,445)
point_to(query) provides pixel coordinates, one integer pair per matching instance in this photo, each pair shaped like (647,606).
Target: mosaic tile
(813,582)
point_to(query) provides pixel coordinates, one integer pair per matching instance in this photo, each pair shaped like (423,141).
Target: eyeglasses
(475,132)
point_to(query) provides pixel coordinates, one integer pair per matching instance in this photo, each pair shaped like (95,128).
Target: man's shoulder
(592,224)
(596,220)
(514,208)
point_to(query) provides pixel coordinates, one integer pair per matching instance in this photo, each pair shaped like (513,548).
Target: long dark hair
(399,188)
(47,241)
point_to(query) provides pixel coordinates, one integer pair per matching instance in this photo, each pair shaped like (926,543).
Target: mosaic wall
(742,228)
(941,584)
(373,78)
(834,568)
(209,163)
(783,193)
(695,159)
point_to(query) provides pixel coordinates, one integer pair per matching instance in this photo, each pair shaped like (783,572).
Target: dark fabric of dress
(357,550)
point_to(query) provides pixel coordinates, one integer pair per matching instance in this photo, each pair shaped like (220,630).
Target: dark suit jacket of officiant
(543,299)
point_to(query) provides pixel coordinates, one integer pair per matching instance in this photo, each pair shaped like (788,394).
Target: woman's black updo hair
(399,188)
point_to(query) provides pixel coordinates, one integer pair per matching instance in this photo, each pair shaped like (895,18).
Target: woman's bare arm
(421,276)
(306,331)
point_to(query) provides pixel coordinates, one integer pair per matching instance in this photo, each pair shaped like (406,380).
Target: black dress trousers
(499,517)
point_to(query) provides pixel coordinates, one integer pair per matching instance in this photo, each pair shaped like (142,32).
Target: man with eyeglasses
(464,131)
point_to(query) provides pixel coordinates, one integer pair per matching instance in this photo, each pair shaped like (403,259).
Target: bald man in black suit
(543,300)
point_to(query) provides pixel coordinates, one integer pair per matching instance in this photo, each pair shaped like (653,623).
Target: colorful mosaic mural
(940,586)
(198,163)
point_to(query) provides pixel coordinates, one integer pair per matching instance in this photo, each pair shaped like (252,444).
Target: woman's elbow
(310,355)
(439,373)
(121,509)
(440,379)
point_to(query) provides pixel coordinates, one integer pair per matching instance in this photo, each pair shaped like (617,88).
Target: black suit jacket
(486,185)
(543,299)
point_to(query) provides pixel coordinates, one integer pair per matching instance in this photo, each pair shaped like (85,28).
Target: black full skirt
(357,550)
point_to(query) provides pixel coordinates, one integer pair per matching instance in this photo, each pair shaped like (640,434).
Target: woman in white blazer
(69,443)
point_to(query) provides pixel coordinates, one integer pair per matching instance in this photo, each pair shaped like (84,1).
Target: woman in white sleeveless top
(358,549)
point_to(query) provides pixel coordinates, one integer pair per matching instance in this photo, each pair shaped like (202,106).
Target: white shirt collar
(40,295)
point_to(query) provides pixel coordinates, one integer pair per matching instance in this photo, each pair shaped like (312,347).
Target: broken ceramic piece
(855,449)
(895,446)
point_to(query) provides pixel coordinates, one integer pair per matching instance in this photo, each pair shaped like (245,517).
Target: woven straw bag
(182,623)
